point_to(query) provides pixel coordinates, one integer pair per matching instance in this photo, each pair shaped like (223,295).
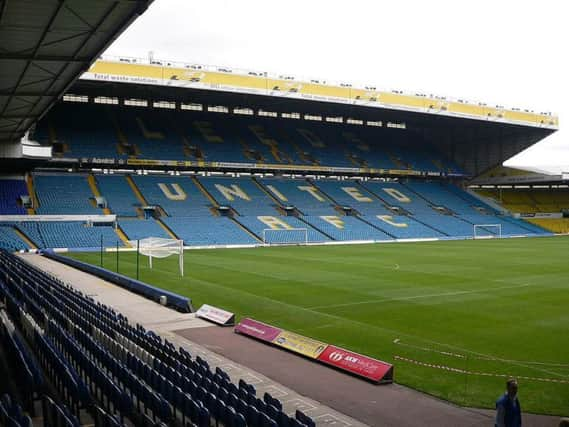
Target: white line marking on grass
(446,353)
(348,320)
(326,325)
(413,297)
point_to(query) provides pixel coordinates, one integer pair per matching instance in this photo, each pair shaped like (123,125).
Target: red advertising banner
(345,360)
(372,369)
(258,330)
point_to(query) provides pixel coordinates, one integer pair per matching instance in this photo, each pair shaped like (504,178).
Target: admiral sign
(363,366)
(216,315)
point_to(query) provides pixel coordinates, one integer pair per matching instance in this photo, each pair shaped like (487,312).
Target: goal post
(285,236)
(486,231)
(158,247)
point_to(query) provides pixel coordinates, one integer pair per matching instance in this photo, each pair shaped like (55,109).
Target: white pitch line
(345,319)
(484,358)
(413,297)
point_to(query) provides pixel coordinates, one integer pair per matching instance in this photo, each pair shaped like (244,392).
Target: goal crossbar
(295,236)
(158,247)
(476,228)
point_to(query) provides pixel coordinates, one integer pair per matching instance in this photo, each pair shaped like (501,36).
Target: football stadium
(191,245)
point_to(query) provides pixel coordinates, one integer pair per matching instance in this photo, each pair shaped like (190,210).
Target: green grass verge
(494,308)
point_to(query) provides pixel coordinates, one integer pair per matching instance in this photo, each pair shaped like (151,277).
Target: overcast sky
(508,52)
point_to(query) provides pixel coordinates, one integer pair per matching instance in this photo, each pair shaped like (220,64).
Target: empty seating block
(137,229)
(64,194)
(70,235)
(10,240)
(178,196)
(10,192)
(119,132)
(242,194)
(350,194)
(281,229)
(301,194)
(346,228)
(208,231)
(402,226)
(120,198)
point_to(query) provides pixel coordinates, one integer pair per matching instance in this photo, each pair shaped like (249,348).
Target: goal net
(158,247)
(487,231)
(290,236)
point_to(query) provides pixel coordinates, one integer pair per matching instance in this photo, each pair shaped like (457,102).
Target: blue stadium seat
(10,192)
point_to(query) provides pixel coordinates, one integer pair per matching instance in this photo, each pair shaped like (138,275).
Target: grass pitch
(456,318)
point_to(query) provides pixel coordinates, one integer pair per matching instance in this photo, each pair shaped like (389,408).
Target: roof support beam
(5,92)
(43,58)
(88,35)
(19,116)
(34,53)
(63,60)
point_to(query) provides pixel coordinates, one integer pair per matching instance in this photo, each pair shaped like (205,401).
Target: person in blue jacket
(508,410)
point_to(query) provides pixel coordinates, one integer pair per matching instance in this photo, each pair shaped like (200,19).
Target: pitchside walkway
(391,405)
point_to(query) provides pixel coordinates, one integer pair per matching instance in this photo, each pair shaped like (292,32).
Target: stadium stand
(137,229)
(224,210)
(208,141)
(531,203)
(90,132)
(113,132)
(299,194)
(558,225)
(9,238)
(350,194)
(115,371)
(10,192)
(346,228)
(525,200)
(177,196)
(69,234)
(242,195)
(64,194)
(119,196)
(147,132)
(189,213)
(209,231)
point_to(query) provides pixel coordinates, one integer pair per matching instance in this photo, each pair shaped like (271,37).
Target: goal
(158,247)
(289,236)
(486,231)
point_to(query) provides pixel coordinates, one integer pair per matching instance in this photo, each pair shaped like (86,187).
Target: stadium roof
(213,78)
(474,143)
(504,175)
(45,46)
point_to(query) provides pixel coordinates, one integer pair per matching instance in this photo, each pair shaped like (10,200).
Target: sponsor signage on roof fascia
(303,95)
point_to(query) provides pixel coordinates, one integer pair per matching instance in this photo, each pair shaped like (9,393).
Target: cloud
(508,52)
